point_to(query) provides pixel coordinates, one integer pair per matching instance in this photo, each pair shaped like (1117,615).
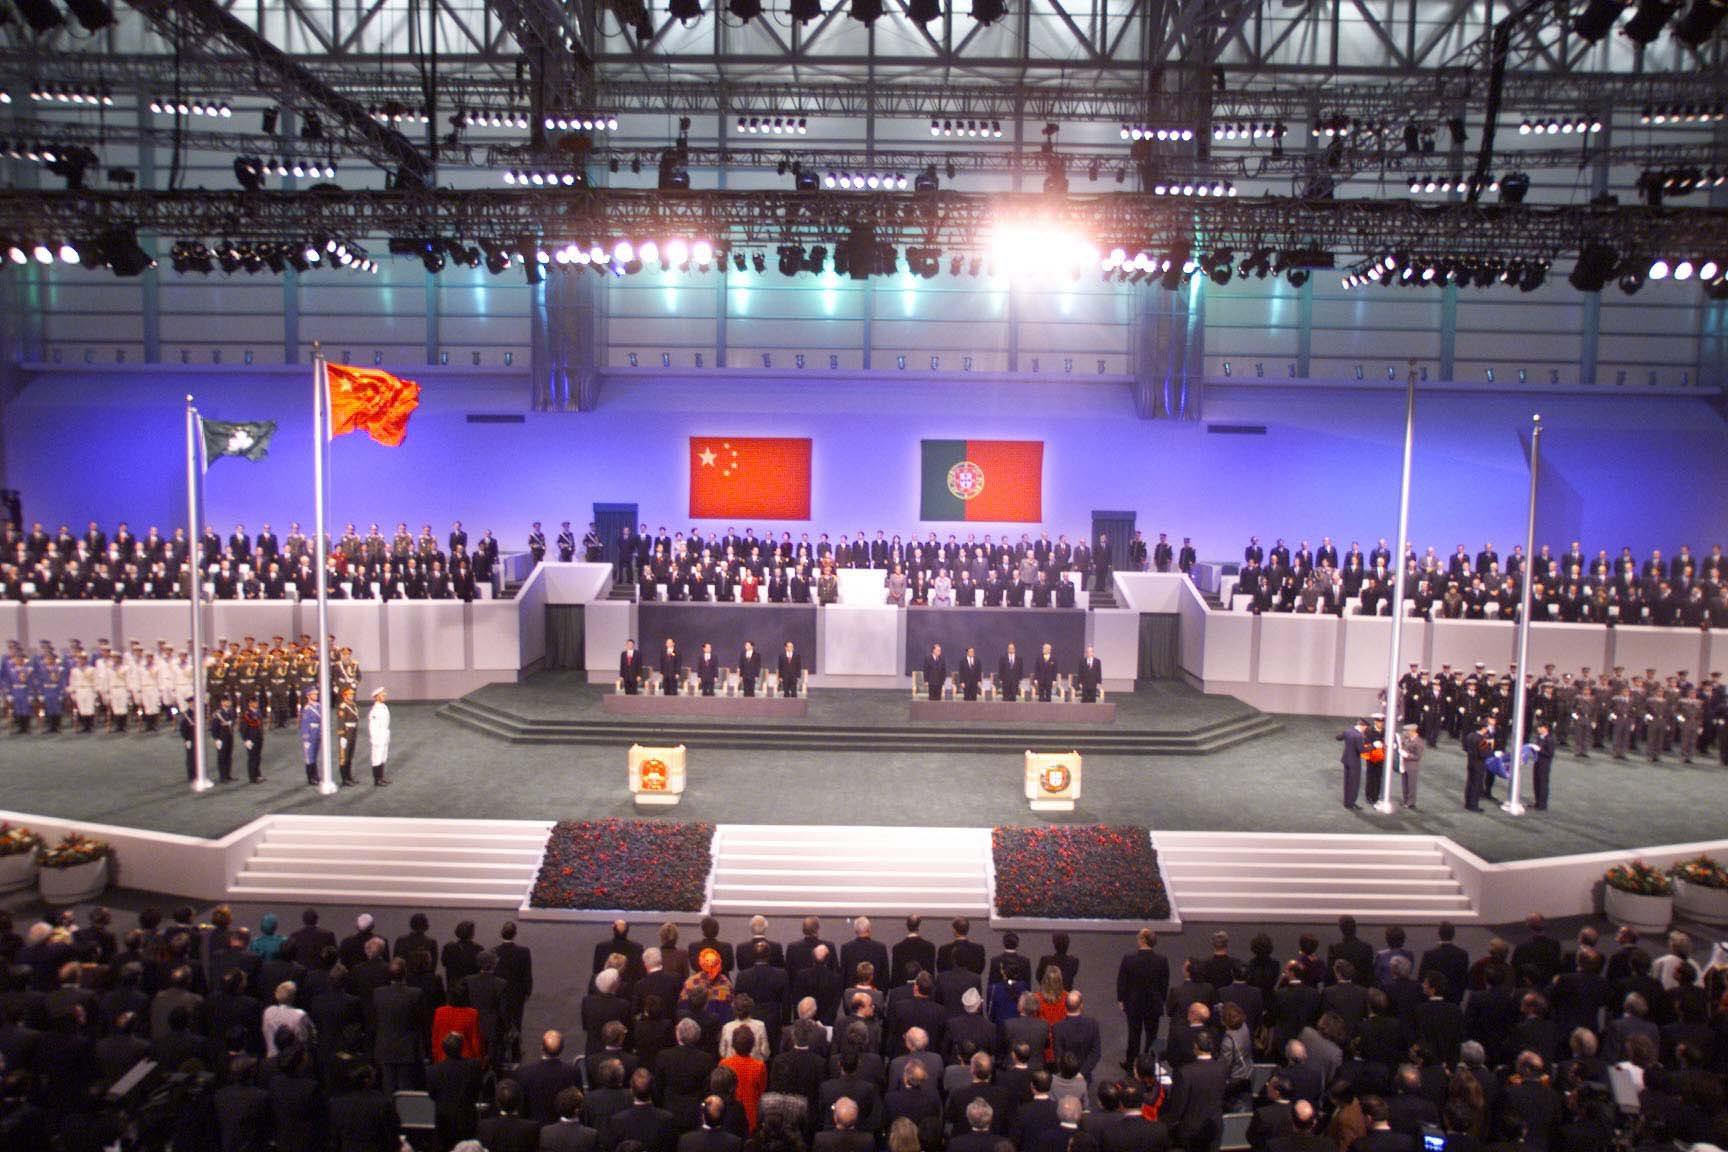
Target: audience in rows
(302,1041)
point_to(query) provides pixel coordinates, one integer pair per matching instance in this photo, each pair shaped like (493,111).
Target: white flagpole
(320,429)
(1389,730)
(1515,803)
(194,444)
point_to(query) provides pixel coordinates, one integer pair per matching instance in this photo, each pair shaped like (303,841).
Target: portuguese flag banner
(988,480)
(741,477)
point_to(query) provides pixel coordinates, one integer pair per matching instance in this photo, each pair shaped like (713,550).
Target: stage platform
(1165,719)
(992,711)
(707,707)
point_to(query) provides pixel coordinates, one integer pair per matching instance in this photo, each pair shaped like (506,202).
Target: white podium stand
(656,775)
(1052,780)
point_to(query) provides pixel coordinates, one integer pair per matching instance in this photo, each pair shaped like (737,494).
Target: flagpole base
(328,788)
(1383,806)
(1513,807)
(203,785)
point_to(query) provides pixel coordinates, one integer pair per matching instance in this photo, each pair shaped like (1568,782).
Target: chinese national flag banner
(767,478)
(370,400)
(982,480)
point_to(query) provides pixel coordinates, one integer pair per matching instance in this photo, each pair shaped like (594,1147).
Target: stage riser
(1301,877)
(851,871)
(466,864)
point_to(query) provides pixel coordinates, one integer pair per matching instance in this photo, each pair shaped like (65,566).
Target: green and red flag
(983,480)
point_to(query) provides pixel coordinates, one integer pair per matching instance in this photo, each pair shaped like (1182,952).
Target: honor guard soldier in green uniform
(348,726)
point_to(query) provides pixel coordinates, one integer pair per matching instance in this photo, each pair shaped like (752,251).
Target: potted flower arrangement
(19,849)
(77,868)
(1701,890)
(1639,895)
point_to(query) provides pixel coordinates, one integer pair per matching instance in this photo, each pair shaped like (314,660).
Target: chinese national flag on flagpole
(370,400)
(742,476)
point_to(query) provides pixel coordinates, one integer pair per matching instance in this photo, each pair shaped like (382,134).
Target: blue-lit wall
(1646,471)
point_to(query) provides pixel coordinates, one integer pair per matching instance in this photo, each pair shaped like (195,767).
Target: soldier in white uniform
(81,683)
(119,695)
(378,732)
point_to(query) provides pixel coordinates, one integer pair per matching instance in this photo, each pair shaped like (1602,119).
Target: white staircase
(819,870)
(439,863)
(1298,876)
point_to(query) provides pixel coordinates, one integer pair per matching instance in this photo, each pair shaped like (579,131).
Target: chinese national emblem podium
(656,775)
(1052,780)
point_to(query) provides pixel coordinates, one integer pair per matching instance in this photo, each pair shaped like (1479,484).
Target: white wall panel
(1668,650)
(1298,649)
(150,620)
(262,619)
(1228,651)
(427,635)
(1073,337)
(1569,647)
(61,622)
(356,626)
(1367,641)
(1461,643)
(205,329)
(497,645)
(1396,310)
(860,640)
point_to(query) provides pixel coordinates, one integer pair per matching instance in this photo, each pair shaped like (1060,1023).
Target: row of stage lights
(1139,132)
(1405,271)
(971,129)
(1681,115)
(545,178)
(1262,130)
(56,94)
(21,252)
(1220,189)
(252,171)
(579,122)
(865,181)
(169,106)
(193,256)
(391,112)
(774,125)
(492,118)
(1555,126)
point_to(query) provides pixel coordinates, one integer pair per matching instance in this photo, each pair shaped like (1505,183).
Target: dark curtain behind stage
(1160,645)
(564,637)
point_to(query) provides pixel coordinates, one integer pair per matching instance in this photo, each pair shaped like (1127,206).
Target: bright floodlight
(623,252)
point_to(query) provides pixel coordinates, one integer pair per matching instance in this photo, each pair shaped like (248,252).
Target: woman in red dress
(747,587)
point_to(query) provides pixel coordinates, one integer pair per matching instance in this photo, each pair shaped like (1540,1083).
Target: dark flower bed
(1083,872)
(629,865)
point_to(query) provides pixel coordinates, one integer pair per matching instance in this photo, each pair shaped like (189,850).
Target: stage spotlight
(745,10)
(1598,19)
(805,11)
(924,11)
(685,11)
(989,11)
(41,15)
(118,248)
(866,12)
(432,257)
(1658,269)
(1700,22)
(1648,20)
(92,14)
(1595,267)
(759,262)
(1513,187)
(791,259)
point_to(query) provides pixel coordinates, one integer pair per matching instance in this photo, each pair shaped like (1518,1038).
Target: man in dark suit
(1009,672)
(863,948)
(515,966)
(802,951)
(758,977)
(1449,960)
(711,1135)
(799,1070)
(417,939)
(851,1085)
(507,1130)
(305,945)
(603,1006)
(1135,1133)
(1195,1110)
(919,1010)
(545,1079)
(749,668)
(364,1117)
(1544,766)
(671,668)
(1090,677)
(1540,954)
(980,1100)
(844,1136)
(1078,1033)
(1436,1022)
(1303,1136)
(820,981)
(400,1021)
(454,1085)
(568,1133)
(1142,986)
(970,675)
(790,670)
(962,951)
(1353,948)
(620,944)
(1044,673)
(642,1121)
(1355,739)
(1010,966)
(682,1072)
(1380,1137)
(935,672)
(913,949)
(631,668)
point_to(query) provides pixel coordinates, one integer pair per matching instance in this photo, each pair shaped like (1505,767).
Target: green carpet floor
(1287,782)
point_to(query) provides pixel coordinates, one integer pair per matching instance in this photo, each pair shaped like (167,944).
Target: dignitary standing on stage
(790,670)
(1355,739)
(631,668)
(1009,671)
(1090,678)
(970,675)
(707,670)
(749,668)
(671,668)
(1044,674)
(935,672)
(378,734)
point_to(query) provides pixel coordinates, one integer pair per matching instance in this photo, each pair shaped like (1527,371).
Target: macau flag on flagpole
(983,480)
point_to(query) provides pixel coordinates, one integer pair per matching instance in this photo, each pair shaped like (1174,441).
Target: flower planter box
(18,870)
(1646,914)
(62,886)
(1696,902)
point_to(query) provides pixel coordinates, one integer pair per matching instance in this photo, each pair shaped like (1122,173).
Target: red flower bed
(628,865)
(1082,872)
